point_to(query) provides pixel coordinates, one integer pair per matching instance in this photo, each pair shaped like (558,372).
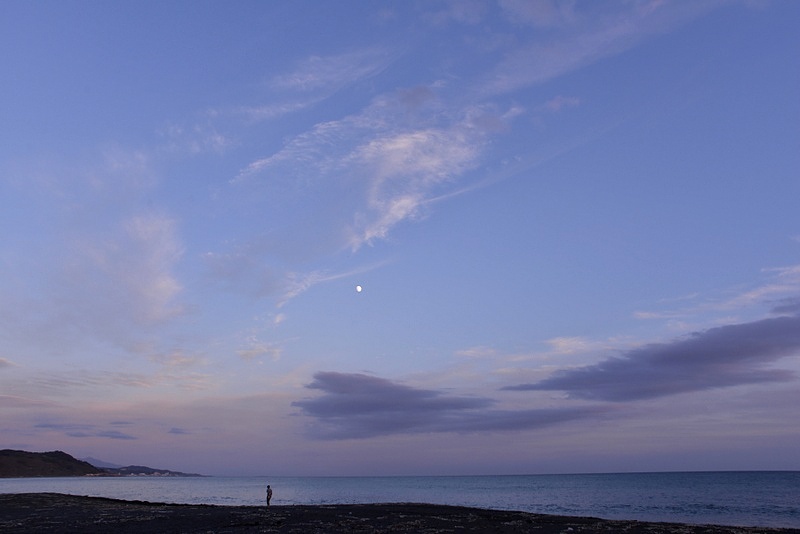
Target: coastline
(56,512)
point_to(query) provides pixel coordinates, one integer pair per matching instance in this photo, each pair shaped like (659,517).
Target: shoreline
(56,512)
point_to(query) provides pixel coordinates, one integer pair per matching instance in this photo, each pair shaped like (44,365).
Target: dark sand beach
(52,512)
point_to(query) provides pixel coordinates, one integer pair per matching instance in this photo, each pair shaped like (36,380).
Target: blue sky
(575,225)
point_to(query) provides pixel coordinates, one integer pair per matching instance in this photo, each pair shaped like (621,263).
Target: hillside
(21,464)
(42,464)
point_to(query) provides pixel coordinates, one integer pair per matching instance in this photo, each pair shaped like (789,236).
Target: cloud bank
(356,406)
(724,356)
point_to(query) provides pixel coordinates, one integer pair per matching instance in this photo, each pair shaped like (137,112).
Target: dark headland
(24,464)
(53,512)
(43,464)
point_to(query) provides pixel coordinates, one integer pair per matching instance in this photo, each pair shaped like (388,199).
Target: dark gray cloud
(114,434)
(362,406)
(719,357)
(790,305)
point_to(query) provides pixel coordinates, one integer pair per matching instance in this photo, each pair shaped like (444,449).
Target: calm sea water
(767,499)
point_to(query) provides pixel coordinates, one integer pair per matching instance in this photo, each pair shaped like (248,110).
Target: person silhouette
(269,494)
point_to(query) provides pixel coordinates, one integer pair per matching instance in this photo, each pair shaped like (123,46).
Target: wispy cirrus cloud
(257,348)
(77,430)
(560,102)
(297,283)
(108,271)
(309,83)
(581,37)
(330,73)
(154,250)
(88,379)
(364,174)
(538,13)
(46,384)
(355,406)
(390,171)
(176,358)
(262,270)
(403,171)
(274,110)
(469,13)
(479,352)
(781,283)
(348,182)
(195,139)
(15,401)
(126,270)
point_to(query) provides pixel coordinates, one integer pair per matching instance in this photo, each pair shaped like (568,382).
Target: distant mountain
(100,463)
(43,464)
(20,464)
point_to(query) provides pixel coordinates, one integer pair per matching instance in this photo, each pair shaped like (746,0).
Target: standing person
(269,494)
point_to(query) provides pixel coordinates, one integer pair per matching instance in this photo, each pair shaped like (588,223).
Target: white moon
(358,288)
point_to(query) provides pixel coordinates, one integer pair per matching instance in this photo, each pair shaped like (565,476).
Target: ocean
(755,498)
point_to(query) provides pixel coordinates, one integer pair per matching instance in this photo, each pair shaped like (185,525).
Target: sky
(574,224)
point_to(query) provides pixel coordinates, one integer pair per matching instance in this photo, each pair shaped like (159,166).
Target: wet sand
(53,512)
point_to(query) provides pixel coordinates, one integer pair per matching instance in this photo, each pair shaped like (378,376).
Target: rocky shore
(53,512)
